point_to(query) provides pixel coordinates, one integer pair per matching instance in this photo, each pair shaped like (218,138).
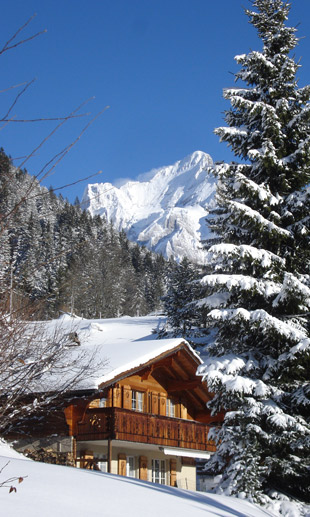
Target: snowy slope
(50,490)
(164,209)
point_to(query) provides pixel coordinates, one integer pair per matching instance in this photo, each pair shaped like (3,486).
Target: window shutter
(117,399)
(122,464)
(173,472)
(143,468)
(126,397)
(162,404)
(155,403)
(183,411)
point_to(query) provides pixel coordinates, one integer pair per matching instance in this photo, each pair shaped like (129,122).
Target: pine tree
(258,286)
(183,287)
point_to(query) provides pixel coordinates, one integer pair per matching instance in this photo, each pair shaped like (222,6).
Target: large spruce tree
(259,277)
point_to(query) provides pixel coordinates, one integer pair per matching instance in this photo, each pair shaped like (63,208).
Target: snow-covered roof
(120,345)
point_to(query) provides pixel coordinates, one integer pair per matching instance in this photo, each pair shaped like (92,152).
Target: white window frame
(102,462)
(103,402)
(137,400)
(170,408)
(130,467)
(159,472)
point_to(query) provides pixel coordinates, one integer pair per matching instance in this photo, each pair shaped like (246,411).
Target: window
(102,462)
(103,402)
(130,467)
(159,471)
(170,408)
(137,400)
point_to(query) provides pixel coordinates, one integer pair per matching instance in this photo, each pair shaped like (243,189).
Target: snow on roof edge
(132,366)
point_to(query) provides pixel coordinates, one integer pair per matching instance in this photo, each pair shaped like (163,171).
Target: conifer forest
(59,258)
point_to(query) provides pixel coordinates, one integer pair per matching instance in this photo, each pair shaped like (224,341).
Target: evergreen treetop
(258,284)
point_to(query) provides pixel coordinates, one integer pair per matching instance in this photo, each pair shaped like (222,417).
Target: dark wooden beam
(206,418)
(147,372)
(174,385)
(164,363)
(196,400)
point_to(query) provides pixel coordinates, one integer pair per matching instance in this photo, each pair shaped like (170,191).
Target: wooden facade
(126,425)
(163,403)
(144,420)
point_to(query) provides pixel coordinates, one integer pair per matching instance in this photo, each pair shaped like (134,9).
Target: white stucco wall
(186,474)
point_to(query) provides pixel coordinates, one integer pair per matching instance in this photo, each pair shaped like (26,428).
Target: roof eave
(126,373)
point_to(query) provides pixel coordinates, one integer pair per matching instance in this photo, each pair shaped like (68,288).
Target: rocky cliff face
(164,209)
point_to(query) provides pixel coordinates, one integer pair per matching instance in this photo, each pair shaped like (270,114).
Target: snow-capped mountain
(164,209)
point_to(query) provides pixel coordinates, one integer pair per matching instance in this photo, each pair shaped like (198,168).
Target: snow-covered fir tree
(183,287)
(258,282)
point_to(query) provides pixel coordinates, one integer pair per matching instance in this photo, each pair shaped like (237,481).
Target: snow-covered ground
(52,490)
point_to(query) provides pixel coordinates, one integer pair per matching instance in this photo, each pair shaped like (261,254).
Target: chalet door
(130,467)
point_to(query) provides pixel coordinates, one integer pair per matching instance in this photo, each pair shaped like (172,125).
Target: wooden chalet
(147,417)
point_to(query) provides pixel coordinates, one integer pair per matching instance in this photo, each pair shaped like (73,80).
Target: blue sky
(160,65)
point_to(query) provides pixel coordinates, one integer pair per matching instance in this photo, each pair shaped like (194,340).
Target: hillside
(59,258)
(51,490)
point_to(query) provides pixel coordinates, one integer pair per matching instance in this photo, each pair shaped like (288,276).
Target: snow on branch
(222,252)
(262,191)
(260,319)
(214,301)
(229,364)
(292,286)
(256,57)
(243,282)
(257,217)
(300,152)
(302,346)
(227,371)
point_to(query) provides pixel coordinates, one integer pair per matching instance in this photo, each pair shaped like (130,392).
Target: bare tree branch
(68,184)
(60,156)
(12,87)
(65,151)
(4,119)
(63,121)
(8,45)
(8,483)
(4,125)
(37,366)
(43,119)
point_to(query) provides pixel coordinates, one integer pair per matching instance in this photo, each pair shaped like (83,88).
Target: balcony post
(109,455)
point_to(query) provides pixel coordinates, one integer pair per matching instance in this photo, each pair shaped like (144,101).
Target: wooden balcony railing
(124,424)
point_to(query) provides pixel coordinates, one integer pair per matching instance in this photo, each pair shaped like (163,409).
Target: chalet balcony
(123,424)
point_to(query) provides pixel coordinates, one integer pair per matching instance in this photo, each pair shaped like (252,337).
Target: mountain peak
(164,209)
(196,157)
